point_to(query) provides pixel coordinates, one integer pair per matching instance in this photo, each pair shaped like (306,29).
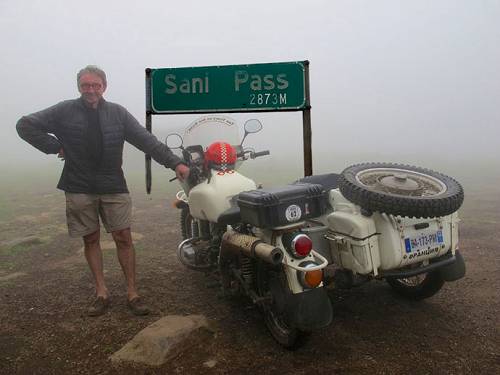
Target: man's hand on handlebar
(181,172)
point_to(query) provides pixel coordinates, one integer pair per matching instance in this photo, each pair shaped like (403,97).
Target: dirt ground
(45,287)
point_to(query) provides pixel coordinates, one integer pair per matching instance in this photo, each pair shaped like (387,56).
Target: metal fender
(455,270)
(309,310)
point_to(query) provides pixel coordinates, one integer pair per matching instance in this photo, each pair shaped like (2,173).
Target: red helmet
(220,156)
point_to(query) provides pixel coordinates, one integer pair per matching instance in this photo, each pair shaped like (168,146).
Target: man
(88,133)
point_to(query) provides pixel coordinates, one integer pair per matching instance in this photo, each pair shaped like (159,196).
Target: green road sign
(230,88)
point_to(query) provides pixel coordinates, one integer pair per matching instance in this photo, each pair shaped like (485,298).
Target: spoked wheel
(193,252)
(399,189)
(417,287)
(271,283)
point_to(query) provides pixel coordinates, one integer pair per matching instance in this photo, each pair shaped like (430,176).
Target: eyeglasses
(95,86)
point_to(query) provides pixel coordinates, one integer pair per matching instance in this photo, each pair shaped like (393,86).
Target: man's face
(91,87)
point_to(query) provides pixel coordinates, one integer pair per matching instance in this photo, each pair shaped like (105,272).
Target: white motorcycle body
(209,199)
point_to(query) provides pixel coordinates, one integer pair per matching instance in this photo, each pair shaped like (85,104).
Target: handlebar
(252,154)
(260,153)
(244,155)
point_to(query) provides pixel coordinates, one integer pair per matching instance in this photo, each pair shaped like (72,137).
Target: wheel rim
(402,182)
(413,281)
(199,245)
(278,323)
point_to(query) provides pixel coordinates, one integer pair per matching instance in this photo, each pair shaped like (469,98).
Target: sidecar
(393,222)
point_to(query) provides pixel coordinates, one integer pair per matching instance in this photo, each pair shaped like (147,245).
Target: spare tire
(400,189)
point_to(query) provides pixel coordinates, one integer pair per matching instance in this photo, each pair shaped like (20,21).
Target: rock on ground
(210,363)
(164,339)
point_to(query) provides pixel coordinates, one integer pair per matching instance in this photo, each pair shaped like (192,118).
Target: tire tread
(418,207)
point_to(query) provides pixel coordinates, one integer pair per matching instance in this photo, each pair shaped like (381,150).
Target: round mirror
(173,141)
(253,126)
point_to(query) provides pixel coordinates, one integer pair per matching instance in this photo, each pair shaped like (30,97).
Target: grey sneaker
(138,306)
(98,306)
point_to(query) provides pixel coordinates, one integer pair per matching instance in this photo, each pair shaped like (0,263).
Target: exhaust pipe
(251,246)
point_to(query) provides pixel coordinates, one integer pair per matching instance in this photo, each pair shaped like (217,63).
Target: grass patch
(7,265)
(16,250)
(11,283)
(108,350)
(109,254)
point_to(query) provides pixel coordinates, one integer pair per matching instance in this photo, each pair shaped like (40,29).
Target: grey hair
(93,69)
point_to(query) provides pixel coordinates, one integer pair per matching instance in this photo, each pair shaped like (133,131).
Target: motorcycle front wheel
(271,284)
(190,228)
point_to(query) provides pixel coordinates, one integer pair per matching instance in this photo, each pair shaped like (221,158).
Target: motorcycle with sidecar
(281,246)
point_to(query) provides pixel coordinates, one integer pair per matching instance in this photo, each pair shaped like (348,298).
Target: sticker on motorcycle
(293,213)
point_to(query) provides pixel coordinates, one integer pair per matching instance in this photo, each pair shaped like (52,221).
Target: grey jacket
(64,125)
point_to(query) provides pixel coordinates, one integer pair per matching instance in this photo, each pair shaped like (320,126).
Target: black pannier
(268,208)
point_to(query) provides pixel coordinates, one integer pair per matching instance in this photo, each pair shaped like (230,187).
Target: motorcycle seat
(329,181)
(230,216)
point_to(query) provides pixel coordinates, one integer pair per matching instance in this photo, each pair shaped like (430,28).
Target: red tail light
(298,243)
(302,245)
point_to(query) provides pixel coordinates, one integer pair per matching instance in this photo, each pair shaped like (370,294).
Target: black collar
(100,105)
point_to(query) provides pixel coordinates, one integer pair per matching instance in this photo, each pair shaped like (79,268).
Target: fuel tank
(212,197)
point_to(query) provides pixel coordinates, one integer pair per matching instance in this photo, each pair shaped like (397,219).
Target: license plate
(424,241)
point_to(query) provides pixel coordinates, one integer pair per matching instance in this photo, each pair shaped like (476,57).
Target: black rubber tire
(430,285)
(373,200)
(289,337)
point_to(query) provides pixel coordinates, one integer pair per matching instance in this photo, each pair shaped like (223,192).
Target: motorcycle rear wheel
(270,283)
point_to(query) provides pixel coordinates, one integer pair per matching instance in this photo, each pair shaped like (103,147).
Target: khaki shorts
(83,211)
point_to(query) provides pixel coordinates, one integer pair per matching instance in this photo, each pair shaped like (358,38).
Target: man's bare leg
(126,257)
(93,254)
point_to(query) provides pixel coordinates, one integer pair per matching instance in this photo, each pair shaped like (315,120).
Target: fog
(414,81)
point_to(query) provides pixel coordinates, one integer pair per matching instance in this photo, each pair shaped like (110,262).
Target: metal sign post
(148,128)
(306,125)
(271,87)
